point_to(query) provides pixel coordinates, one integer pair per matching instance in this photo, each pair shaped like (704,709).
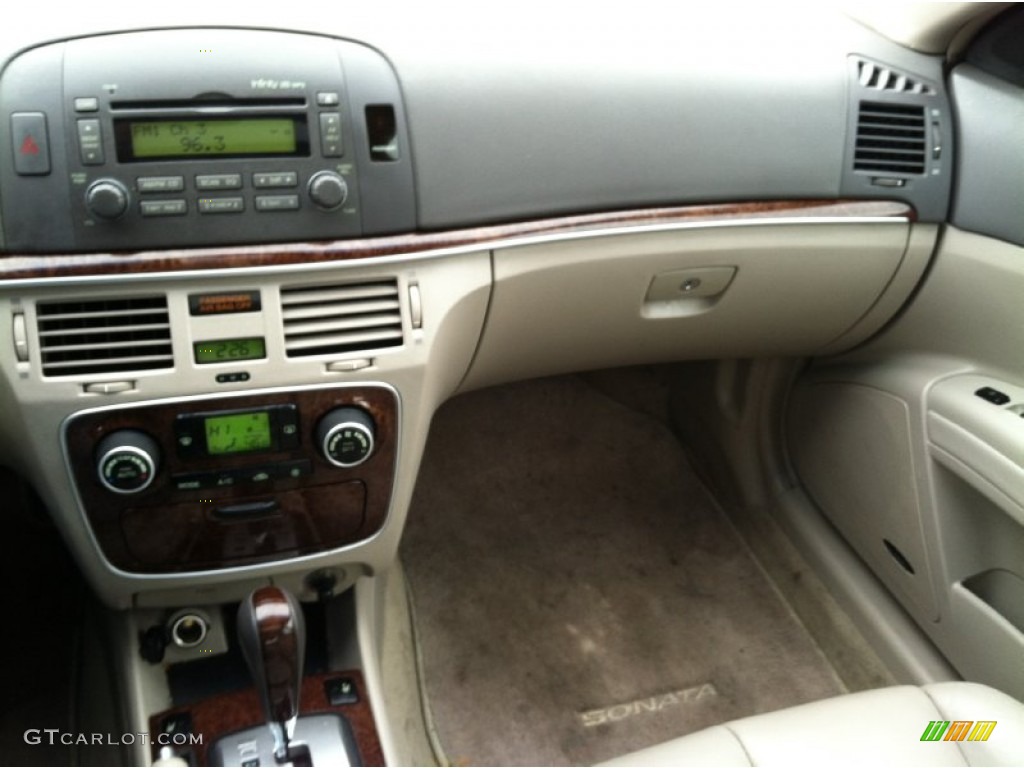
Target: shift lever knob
(273,639)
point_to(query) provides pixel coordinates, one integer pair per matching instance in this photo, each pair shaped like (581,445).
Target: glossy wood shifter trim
(280,649)
(15,266)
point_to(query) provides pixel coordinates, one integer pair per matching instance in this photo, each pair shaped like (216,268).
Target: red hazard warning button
(30,144)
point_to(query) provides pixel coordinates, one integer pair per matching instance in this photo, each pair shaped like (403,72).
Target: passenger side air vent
(879,77)
(899,136)
(890,138)
(354,317)
(104,335)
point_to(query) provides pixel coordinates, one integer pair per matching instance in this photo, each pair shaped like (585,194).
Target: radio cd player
(201,137)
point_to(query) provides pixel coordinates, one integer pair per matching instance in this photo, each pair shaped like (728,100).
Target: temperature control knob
(346,436)
(328,190)
(127,461)
(107,199)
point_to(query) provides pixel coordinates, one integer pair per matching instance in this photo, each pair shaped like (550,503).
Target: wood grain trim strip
(20,267)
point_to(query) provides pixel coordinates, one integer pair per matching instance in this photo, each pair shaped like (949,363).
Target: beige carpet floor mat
(577,593)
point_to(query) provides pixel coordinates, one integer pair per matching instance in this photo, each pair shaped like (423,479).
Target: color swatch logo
(958,730)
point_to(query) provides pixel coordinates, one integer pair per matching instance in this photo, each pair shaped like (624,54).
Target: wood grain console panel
(163,529)
(17,266)
(231,712)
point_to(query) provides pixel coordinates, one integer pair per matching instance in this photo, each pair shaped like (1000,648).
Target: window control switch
(993,396)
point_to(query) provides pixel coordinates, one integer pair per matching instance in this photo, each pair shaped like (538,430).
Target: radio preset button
(210,181)
(221,204)
(87,104)
(275,179)
(277,202)
(330,134)
(163,207)
(90,142)
(160,183)
(92,156)
(327,99)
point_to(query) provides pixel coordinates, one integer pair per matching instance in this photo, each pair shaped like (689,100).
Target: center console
(206,483)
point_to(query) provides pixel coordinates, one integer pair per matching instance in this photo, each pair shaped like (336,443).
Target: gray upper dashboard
(519,115)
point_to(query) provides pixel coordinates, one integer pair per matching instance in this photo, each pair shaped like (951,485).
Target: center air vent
(323,320)
(890,138)
(104,335)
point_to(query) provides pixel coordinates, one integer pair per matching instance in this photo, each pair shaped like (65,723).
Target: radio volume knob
(328,190)
(127,461)
(346,436)
(106,199)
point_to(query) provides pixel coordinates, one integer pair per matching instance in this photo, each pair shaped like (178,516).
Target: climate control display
(223,433)
(238,433)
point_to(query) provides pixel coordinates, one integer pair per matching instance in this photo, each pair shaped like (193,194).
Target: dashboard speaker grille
(331,319)
(891,138)
(104,335)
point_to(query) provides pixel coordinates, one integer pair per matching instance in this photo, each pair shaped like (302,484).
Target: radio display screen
(237,433)
(230,350)
(174,139)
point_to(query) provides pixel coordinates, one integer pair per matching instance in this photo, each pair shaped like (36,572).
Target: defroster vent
(104,335)
(879,77)
(891,138)
(332,319)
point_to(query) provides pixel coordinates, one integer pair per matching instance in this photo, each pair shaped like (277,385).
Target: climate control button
(346,436)
(127,461)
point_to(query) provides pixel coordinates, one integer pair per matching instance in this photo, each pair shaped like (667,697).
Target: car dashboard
(244,264)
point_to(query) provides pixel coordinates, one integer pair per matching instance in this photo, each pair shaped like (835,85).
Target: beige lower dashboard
(467,315)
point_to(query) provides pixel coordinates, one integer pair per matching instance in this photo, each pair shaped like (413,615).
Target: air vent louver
(104,335)
(890,138)
(322,320)
(881,78)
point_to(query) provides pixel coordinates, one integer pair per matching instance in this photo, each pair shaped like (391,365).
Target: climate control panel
(218,482)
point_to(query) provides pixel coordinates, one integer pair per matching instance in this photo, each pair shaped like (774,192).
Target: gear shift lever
(273,639)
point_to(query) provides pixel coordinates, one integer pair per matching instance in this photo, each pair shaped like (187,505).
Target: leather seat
(879,727)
